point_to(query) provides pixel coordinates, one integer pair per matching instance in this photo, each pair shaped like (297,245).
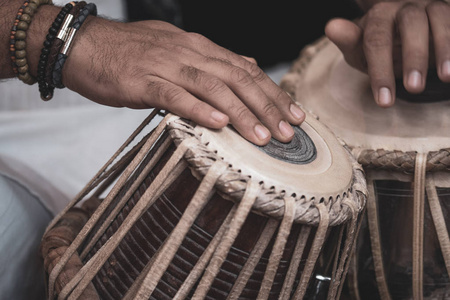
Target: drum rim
(271,201)
(317,96)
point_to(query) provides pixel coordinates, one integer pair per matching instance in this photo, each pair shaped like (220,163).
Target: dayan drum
(189,212)
(403,251)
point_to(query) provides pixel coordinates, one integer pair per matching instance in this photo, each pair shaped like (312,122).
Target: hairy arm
(155,64)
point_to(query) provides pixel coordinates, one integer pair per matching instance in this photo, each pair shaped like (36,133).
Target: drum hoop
(315,92)
(232,183)
(400,161)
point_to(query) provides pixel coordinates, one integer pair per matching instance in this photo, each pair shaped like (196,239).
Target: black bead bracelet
(45,89)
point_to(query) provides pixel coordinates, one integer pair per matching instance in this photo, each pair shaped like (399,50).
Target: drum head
(323,170)
(341,97)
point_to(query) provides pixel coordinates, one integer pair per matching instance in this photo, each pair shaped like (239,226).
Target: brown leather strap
(375,240)
(278,249)
(418,224)
(439,221)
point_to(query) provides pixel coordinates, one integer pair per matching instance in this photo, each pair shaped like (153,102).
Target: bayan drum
(189,212)
(403,251)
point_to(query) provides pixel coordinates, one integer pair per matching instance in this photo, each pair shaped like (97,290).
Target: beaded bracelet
(16,46)
(45,90)
(61,37)
(89,9)
(52,45)
(18,39)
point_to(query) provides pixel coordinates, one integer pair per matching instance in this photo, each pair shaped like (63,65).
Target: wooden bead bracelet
(18,39)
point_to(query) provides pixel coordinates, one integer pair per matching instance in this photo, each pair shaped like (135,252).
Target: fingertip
(219,119)
(332,25)
(250,59)
(444,71)
(342,32)
(414,82)
(297,113)
(262,134)
(286,130)
(384,97)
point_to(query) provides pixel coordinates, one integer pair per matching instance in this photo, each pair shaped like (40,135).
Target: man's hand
(396,39)
(154,64)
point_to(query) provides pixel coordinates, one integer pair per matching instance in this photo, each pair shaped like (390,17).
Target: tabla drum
(403,251)
(189,212)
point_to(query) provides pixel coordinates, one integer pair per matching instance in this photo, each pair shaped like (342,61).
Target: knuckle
(242,112)
(197,109)
(270,109)
(256,72)
(379,39)
(379,8)
(213,85)
(181,50)
(408,10)
(190,73)
(168,96)
(436,6)
(241,76)
(282,97)
(197,38)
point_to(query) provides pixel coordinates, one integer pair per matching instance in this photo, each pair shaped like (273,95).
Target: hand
(154,64)
(396,39)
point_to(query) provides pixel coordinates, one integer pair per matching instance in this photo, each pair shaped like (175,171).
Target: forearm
(36,33)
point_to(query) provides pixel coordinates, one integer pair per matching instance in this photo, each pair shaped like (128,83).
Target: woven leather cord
(403,161)
(232,184)
(54,50)
(88,9)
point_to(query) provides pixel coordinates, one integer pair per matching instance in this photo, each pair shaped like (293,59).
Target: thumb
(347,36)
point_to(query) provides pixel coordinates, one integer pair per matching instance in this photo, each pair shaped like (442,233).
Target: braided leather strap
(54,50)
(403,161)
(89,9)
(270,202)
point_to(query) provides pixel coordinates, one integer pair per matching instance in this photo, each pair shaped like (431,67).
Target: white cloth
(23,221)
(63,141)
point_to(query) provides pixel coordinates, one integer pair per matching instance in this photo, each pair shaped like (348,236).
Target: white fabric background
(62,143)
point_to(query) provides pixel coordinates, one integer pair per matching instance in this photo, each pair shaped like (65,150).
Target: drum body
(195,213)
(403,251)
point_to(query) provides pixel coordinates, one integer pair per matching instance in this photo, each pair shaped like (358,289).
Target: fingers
(250,112)
(250,59)
(378,45)
(250,95)
(347,36)
(166,95)
(237,87)
(438,13)
(228,66)
(413,28)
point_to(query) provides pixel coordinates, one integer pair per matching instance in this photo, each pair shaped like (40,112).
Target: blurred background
(272,32)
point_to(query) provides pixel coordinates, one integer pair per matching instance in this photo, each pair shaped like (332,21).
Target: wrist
(79,72)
